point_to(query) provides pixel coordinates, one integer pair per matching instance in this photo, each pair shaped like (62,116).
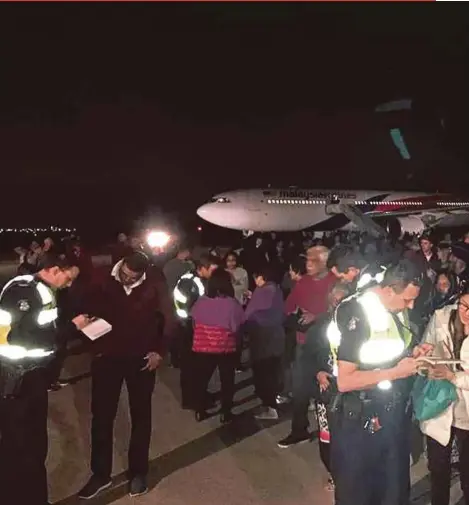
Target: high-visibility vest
(187,291)
(35,314)
(387,342)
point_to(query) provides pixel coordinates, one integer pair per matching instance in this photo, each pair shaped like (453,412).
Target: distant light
(158,239)
(199,228)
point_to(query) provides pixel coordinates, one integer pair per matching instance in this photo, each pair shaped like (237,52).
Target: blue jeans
(372,469)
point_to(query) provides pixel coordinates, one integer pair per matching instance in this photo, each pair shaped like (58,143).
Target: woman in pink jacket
(217,318)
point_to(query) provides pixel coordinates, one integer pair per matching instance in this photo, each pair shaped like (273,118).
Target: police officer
(370,418)
(188,289)
(28,341)
(346,264)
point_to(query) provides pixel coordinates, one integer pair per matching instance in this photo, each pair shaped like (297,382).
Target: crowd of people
(289,302)
(269,307)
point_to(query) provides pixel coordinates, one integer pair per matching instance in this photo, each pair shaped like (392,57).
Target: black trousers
(56,366)
(266,379)
(371,469)
(108,374)
(204,366)
(24,443)
(303,380)
(325,454)
(186,364)
(439,464)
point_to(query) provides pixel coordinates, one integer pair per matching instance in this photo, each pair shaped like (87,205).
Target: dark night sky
(164,105)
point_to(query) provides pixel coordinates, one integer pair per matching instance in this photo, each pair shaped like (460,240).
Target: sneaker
(93,487)
(227,417)
(293,440)
(138,486)
(267,414)
(58,385)
(282,399)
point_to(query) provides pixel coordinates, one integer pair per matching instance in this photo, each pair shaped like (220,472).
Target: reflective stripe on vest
(47,315)
(386,343)
(180,299)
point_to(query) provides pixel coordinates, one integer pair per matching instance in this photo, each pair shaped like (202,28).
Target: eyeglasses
(463,307)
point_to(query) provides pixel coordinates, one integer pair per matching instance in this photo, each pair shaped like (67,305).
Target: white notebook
(97,329)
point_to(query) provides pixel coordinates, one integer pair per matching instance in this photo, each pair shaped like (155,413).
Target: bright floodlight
(158,239)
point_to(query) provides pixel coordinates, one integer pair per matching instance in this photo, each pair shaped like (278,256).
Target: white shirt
(127,289)
(460,412)
(457,414)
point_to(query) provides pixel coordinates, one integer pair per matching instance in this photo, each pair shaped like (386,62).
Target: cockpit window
(219,199)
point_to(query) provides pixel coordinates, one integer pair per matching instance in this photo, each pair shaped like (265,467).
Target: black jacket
(317,352)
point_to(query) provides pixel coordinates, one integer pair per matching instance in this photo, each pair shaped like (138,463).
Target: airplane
(293,209)
(393,138)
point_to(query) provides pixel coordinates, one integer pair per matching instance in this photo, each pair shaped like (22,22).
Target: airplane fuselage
(294,209)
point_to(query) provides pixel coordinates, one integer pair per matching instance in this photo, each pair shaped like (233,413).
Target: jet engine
(398,226)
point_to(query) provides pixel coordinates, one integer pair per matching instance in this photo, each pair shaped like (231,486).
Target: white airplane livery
(294,209)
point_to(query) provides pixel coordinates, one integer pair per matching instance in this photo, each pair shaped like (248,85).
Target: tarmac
(195,463)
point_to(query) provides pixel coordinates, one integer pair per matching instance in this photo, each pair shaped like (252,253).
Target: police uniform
(187,291)
(370,446)
(28,341)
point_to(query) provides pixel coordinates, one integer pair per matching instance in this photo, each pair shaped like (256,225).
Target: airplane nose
(212,213)
(204,211)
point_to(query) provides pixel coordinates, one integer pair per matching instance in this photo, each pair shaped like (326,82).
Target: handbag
(431,397)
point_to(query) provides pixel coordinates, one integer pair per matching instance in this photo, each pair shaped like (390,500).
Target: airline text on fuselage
(316,194)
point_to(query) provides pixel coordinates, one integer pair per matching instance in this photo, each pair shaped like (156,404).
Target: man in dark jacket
(135,303)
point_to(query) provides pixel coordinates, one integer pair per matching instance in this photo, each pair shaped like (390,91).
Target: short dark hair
(298,265)
(267,272)
(137,261)
(220,284)
(401,274)
(206,261)
(234,254)
(427,237)
(183,248)
(343,257)
(451,276)
(51,260)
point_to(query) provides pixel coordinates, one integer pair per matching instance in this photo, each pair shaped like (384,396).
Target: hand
(248,294)
(307,318)
(323,379)
(422,350)
(405,368)
(81,321)
(153,361)
(440,372)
